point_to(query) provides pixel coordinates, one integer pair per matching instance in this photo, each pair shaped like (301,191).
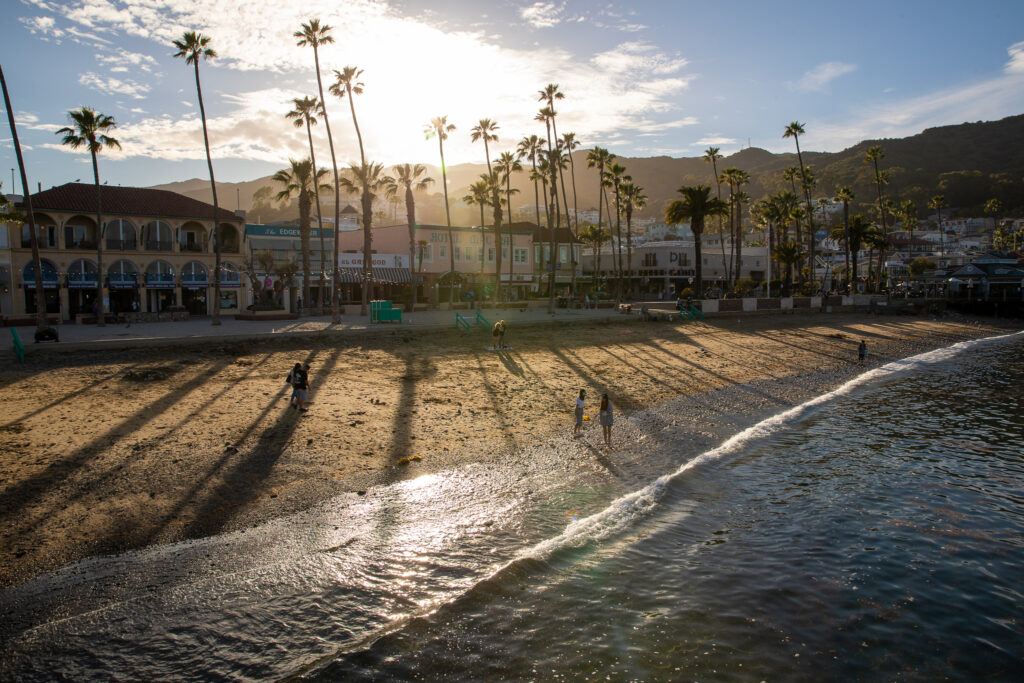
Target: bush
(744,286)
(687,293)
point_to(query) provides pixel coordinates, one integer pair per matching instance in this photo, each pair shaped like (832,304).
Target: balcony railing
(82,244)
(197,248)
(121,245)
(157,245)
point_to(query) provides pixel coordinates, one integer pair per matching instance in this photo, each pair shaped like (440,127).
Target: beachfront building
(284,244)
(158,253)
(475,258)
(564,260)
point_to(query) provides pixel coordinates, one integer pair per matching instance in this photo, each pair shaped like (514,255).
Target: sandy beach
(103,451)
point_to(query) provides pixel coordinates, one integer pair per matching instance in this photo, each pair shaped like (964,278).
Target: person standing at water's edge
(579,413)
(862,352)
(606,419)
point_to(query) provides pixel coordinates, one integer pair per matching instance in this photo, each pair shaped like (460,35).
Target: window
(426,254)
(120,235)
(536,253)
(650,260)
(442,251)
(228,299)
(47,235)
(563,253)
(521,255)
(458,252)
(490,254)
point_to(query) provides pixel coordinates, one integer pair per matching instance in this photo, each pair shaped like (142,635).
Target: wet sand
(106,451)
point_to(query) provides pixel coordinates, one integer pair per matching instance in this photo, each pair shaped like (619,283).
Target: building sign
(378,260)
(284,231)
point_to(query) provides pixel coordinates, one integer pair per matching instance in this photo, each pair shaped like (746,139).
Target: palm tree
(633,199)
(298,181)
(193,47)
(89,129)
(479,194)
(549,94)
(547,116)
(29,217)
(530,147)
(407,179)
(440,127)
(595,236)
(616,175)
(845,195)
(508,164)
(569,143)
(789,254)
(347,83)
(314,35)
(599,158)
(711,156)
(875,239)
(858,230)
(485,130)
(873,155)
(366,180)
(908,214)
(695,206)
(305,113)
(994,207)
(734,178)
(938,203)
(795,130)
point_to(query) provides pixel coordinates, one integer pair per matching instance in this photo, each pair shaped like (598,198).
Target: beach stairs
(695,313)
(483,322)
(383,311)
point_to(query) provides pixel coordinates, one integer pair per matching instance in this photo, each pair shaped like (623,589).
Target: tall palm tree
(547,116)
(599,158)
(508,164)
(29,217)
(479,195)
(485,130)
(616,175)
(873,155)
(549,94)
(89,129)
(194,47)
(908,214)
(346,82)
(845,195)
(305,114)
(440,127)
(795,130)
(695,206)
(633,199)
(938,203)
(299,181)
(734,178)
(711,156)
(314,35)
(409,178)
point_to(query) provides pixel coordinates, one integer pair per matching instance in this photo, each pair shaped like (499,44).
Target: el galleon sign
(378,260)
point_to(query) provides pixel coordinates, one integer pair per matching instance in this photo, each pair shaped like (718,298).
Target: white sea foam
(623,511)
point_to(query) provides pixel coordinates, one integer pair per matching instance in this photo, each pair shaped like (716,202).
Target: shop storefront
(82,282)
(51,286)
(123,282)
(159,286)
(195,284)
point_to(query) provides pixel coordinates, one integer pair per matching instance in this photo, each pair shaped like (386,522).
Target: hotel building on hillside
(158,252)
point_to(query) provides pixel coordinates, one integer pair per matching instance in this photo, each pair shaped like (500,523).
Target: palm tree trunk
(618,247)
(319,214)
(101,316)
(336,273)
(448,218)
(410,213)
(216,211)
(30,217)
(629,253)
(304,237)
(847,248)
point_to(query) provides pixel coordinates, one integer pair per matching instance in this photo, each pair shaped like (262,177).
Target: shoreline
(110,451)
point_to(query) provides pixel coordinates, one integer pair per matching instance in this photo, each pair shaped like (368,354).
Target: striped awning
(382,276)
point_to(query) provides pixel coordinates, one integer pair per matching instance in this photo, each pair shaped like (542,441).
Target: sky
(640,78)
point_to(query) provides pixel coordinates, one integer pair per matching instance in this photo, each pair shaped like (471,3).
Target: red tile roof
(130,201)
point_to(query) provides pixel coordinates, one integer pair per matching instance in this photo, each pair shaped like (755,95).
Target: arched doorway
(159,286)
(194,285)
(82,281)
(230,284)
(123,281)
(51,286)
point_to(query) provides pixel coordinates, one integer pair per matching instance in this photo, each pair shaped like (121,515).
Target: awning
(382,276)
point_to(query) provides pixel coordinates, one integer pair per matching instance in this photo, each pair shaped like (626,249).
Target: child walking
(579,413)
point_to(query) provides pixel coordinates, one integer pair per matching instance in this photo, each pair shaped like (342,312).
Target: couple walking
(606,417)
(299,379)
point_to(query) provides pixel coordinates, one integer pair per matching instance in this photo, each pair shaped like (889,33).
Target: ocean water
(875,532)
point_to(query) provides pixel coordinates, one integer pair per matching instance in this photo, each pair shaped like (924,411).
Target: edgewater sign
(378,260)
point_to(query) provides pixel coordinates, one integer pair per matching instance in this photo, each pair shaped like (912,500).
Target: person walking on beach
(499,334)
(862,352)
(292,374)
(579,413)
(606,419)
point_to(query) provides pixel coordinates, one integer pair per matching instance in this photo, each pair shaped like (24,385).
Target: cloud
(715,140)
(543,14)
(113,86)
(817,78)
(45,26)
(122,60)
(1016,63)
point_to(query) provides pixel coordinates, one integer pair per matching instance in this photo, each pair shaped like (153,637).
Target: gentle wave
(626,510)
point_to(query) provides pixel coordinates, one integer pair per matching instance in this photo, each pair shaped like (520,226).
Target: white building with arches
(158,253)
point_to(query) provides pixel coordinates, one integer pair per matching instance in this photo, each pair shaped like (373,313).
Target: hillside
(969,163)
